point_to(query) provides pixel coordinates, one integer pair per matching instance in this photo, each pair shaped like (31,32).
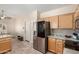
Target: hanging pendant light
(3,15)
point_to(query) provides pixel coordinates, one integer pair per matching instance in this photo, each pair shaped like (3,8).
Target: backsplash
(61,32)
(77,31)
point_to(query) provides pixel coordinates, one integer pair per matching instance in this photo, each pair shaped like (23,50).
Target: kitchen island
(5,43)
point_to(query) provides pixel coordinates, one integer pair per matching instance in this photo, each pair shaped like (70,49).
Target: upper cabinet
(76,20)
(54,22)
(66,21)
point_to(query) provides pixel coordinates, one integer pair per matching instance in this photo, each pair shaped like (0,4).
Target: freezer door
(35,43)
(42,47)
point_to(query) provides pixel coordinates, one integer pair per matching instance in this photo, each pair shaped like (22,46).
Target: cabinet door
(54,22)
(5,45)
(59,46)
(51,44)
(66,21)
(76,15)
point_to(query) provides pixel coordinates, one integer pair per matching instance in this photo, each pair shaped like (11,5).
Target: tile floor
(23,47)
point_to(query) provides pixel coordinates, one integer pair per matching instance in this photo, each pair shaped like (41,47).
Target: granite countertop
(63,38)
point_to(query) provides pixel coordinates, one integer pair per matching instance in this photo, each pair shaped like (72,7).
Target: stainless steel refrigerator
(40,41)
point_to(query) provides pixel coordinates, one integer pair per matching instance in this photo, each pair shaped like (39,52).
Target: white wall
(33,19)
(11,26)
(15,25)
(59,11)
(19,24)
(27,34)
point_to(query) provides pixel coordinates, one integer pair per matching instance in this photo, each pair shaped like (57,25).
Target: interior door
(27,31)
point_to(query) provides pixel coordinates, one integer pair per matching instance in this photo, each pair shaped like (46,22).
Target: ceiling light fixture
(2,16)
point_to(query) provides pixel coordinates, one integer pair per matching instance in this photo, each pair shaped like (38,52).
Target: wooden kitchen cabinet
(5,45)
(59,46)
(76,17)
(54,22)
(56,45)
(51,44)
(66,21)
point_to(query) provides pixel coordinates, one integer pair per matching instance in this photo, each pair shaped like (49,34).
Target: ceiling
(16,9)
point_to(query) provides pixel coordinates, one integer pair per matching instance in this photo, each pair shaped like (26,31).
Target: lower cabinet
(55,45)
(5,45)
(51,44)
(59,46)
